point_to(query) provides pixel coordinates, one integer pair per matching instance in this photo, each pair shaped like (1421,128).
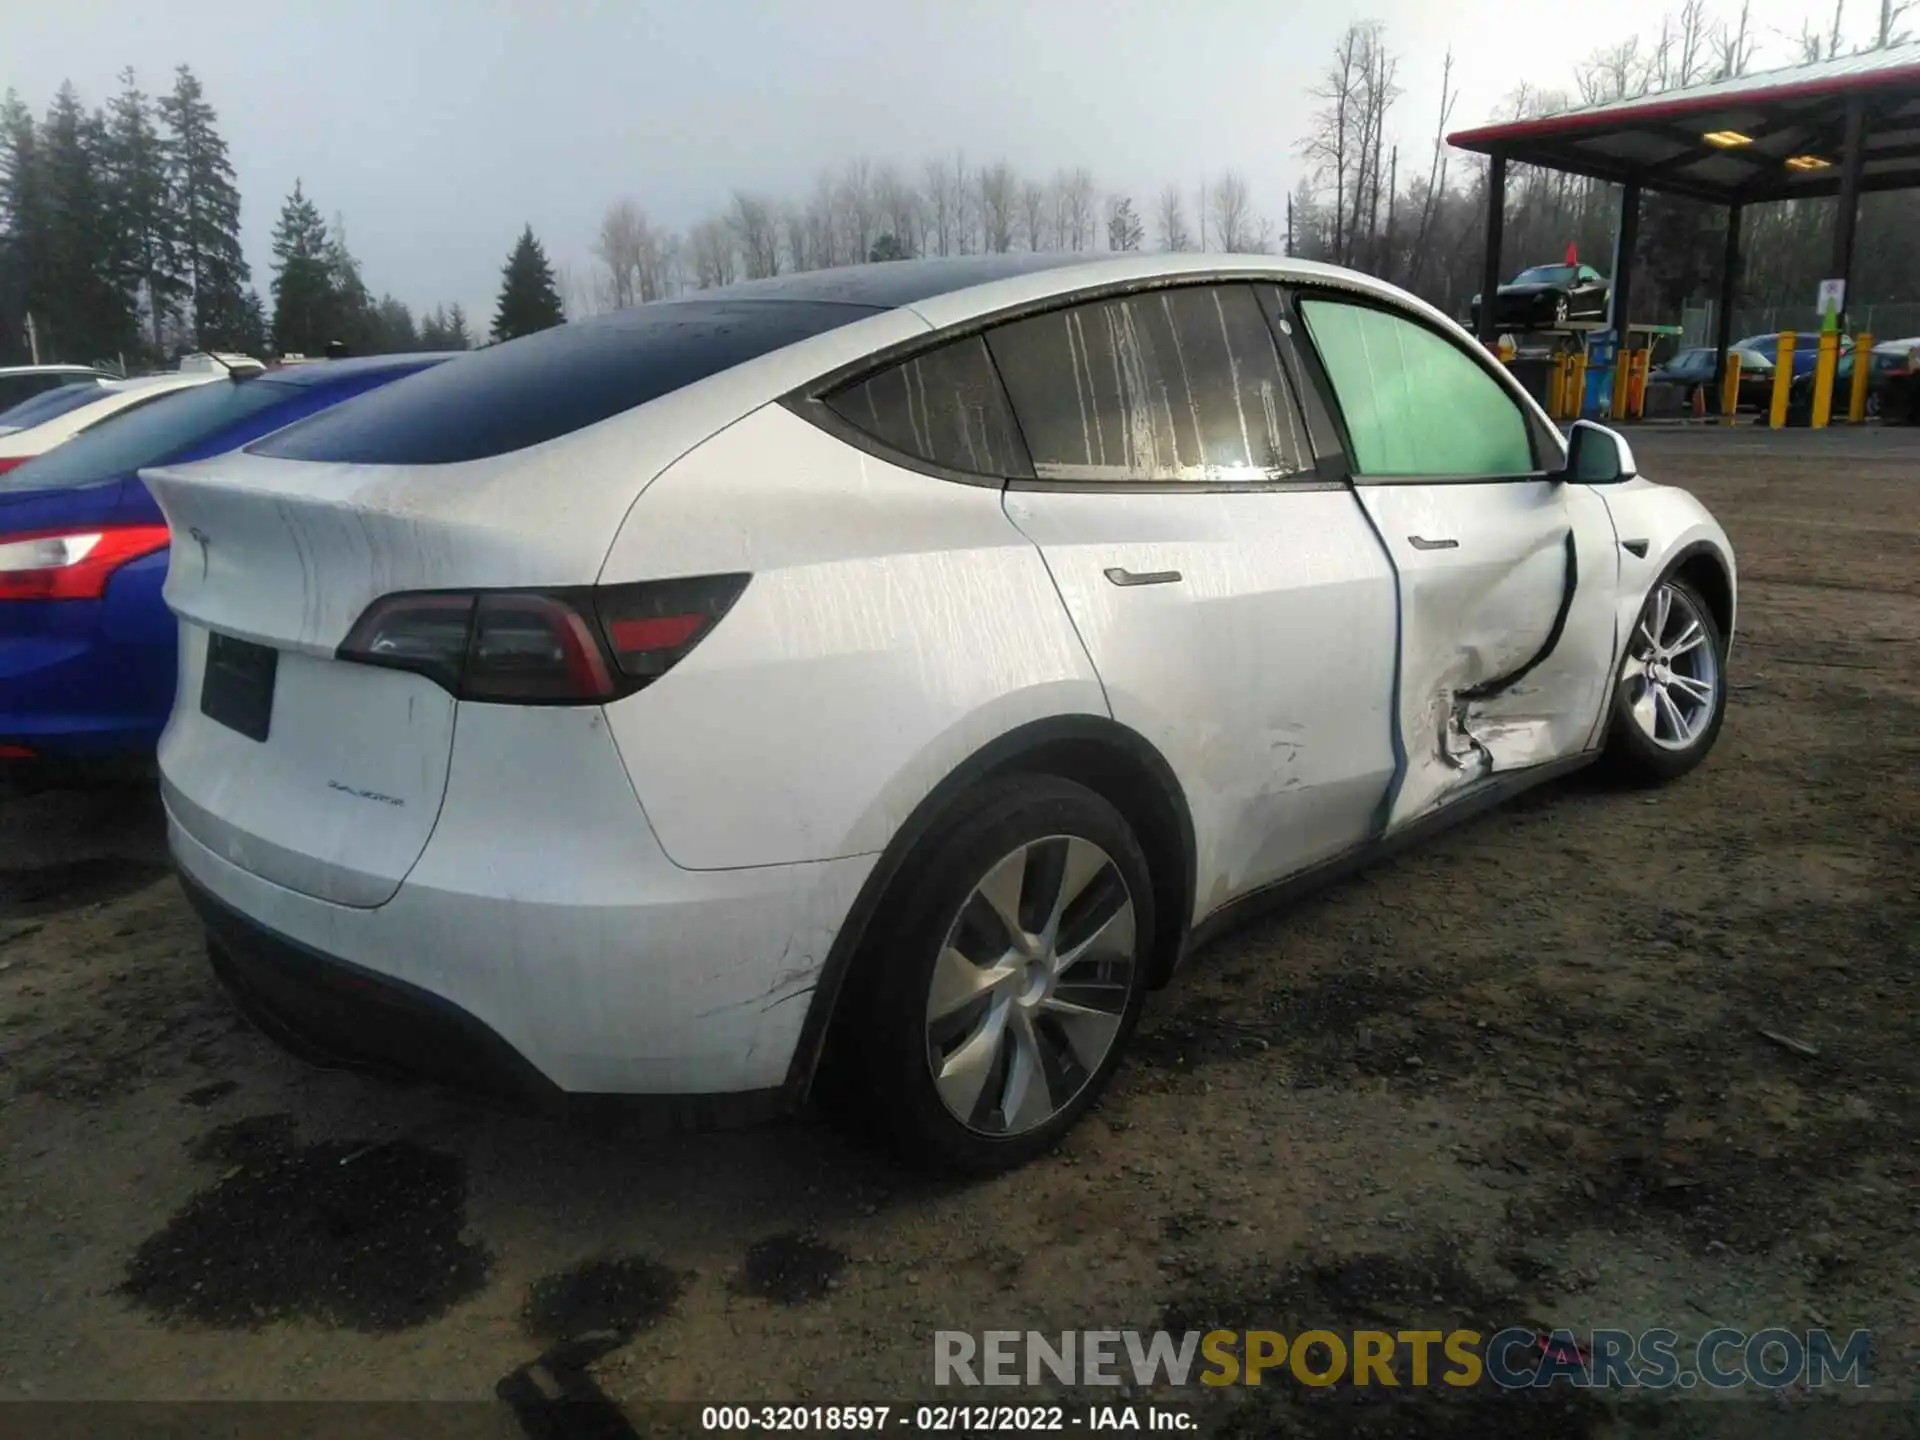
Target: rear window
(945,407)
(511,396)
(149,433)
(48,404)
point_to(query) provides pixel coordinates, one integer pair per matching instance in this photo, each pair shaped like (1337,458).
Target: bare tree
(714,263)
(1233,222)
(1077,209)
(940,208)
(1733,46)
(579,296)
(793,231)
(1170,221)
(999,196)
(1436,171)
(618,247)
(966,207)
(1033,215)
(756,234)
(1887,32)
(1693,42)
(899,206)
(860,214)
(1331,144)
(660,257)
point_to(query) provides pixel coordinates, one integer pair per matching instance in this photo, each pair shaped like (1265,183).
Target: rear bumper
(332,1011)
(542,943)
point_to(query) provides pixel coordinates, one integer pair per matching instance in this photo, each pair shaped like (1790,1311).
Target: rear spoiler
(235,365)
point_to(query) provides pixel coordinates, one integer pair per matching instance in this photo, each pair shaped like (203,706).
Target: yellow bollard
(1730,390)
(1637,394)
(1622,383)
(1825,361)
(1782,380)
(1862,376)
(1577,385)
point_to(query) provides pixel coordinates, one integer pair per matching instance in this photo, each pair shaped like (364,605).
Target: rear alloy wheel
(1560,311)
(1014,970)
(1671,696)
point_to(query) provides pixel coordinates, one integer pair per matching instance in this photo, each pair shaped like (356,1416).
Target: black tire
(880,1044)
(1633,757)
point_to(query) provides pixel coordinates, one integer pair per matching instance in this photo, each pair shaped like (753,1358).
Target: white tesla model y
(902,666)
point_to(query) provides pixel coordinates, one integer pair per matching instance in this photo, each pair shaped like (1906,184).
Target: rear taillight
(555,647)
(8,462)
(71,564)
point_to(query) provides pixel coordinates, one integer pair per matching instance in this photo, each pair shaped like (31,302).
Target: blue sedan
(87,646)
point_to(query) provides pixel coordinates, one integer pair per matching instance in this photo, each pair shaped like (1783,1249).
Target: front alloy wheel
(1671,695)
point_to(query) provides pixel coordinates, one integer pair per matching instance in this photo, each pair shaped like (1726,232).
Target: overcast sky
(439,127)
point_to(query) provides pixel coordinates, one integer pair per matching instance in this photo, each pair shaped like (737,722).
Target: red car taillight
(71,564)
(8,462)
(554,647)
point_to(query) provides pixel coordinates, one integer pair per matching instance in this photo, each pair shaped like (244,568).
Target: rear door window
(148,433)
(508,397)
(1178,385)
(944,407)
(1415,403)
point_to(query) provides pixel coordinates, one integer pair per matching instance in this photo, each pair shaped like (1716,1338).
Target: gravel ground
(1596,1059)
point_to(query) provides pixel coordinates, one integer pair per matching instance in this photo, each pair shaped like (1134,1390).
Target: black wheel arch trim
(1674,562)
(1000,755)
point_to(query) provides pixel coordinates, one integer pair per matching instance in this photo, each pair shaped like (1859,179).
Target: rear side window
(508,397)
(1414,402)
(148,433)
(1172,385)
(49,404)
(945,407)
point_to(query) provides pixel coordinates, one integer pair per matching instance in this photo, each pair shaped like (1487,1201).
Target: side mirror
(1597,455)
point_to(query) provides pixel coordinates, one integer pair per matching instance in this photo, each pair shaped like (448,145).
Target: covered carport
(1836,128)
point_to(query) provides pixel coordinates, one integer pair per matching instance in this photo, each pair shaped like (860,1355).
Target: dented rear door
(1506,573)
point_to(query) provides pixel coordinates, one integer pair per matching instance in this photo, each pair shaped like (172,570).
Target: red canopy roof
(1772,132)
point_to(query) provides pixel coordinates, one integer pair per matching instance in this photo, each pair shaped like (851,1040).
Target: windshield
(49,403)
(145,434)
(1547,275)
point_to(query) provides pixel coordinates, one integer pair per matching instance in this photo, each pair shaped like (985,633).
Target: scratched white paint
(641,898)
(1264,675)
(544,907)
(894,624)
(340,800)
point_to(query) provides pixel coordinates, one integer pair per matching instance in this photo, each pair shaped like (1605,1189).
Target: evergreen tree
(207,210)
(352,316)
(397,335)
(23,214)
(78,299)
(529,300)
(142,209)
(248,331)
(433,329)
(458,337)
(303,294)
